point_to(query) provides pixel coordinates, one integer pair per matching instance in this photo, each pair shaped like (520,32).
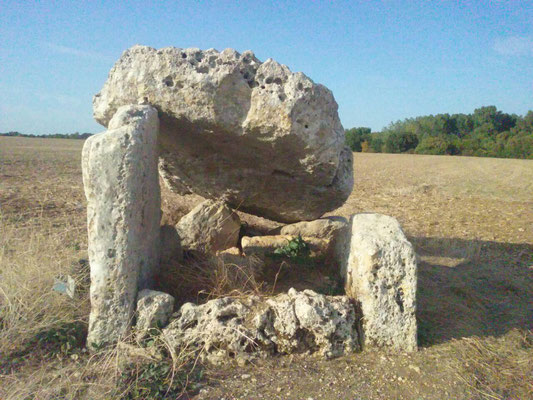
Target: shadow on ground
(472,288)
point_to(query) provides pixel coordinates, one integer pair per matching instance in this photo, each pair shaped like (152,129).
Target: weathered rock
(267,245)
(329,229)
(229,254)
(153,310)
(123,213)
(209,227)
(296,322)
(265,139)
(170,244)
(380,272)
(233,256)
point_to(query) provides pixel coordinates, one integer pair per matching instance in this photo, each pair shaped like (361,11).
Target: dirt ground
(470,220)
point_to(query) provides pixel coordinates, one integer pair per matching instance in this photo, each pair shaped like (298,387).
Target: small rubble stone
(154,308)
(209,227)
(329,229)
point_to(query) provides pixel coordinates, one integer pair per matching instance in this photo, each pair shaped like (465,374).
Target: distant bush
(486,132)
(436,145)
(356,136)
(75,135)
(400,142)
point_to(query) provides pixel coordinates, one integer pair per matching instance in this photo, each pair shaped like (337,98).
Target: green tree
(437,145)
(487,132)
(400,142)
(376,142)
(355,136)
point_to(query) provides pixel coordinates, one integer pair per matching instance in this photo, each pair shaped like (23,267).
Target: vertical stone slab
(380,272)
(121,184)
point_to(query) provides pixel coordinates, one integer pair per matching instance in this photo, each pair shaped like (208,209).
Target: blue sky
(383,61)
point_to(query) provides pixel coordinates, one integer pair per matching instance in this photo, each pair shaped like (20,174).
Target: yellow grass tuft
(497,368)
(31,258)
(199,279)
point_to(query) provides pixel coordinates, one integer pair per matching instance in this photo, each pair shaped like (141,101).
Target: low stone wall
(242,329)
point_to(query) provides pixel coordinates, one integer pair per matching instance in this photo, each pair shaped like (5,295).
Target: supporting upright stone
(379,268)
(121,184)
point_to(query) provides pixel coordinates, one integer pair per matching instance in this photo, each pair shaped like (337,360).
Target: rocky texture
(153,310)
(123,213)
(233,256)
(209,227)
(170,244)
(267,245)
(265,139)
(330,229)
(380,272)
(229,254)
(296,322)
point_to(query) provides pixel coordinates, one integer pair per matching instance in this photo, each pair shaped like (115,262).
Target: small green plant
(156,380)
(296,250)
(63,339)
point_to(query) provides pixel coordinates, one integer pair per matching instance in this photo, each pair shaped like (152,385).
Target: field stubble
(470,219)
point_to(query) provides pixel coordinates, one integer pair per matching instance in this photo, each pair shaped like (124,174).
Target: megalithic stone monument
(121,184)
(380,272)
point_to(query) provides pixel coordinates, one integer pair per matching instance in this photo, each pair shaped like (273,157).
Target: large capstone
(266,140)
(123,213)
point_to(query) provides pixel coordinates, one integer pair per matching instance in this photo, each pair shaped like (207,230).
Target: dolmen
(250,136)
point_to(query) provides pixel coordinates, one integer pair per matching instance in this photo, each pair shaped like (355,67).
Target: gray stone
(295,322)
(249,264)
(330,229)
(153,310)
(123,212)
(266,140)
(211,226)
(267,245)
(380,272)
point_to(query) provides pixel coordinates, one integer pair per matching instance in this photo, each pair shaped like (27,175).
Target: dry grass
(31,260)
(470,220)
(130,370)
(200,279)
(501,367)
(42,237)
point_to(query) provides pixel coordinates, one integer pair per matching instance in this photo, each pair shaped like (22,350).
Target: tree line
(75,135)
(486,132)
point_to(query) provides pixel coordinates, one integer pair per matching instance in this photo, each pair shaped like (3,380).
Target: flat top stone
(267,140)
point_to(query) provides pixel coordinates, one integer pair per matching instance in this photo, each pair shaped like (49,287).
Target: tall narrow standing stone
(121,184)
(379,268)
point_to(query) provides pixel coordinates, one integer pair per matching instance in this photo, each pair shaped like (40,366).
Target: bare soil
(470,219)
